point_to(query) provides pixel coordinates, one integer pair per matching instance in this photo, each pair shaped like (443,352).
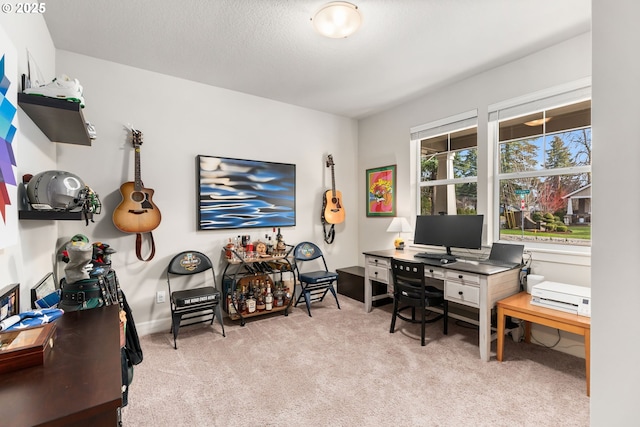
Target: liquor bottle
(231,309)
(251,304)
(260,305)
(229,249)
(268,300)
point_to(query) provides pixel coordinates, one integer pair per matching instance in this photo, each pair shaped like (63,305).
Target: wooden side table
(519,306)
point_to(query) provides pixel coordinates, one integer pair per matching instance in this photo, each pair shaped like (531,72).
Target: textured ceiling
(269,48)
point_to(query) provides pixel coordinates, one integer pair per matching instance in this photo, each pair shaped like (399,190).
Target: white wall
(179,120)
(615,371)
(384,139)
(31,258)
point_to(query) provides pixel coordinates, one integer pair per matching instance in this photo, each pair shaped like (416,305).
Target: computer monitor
(450,231)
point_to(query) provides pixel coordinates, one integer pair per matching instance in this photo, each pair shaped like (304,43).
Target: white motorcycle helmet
(56,190)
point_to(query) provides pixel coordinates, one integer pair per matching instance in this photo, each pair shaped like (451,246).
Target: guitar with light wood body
(136,213)
(332,208)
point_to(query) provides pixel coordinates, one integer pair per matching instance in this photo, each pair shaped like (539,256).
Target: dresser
(466,282)
(80,382)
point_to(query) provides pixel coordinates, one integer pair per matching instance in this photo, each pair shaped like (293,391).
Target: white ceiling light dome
(338,19)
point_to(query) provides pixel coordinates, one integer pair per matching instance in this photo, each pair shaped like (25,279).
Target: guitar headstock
(330,160)
(136,138)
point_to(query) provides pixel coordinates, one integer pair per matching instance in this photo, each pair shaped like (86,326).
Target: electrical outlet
(160,297)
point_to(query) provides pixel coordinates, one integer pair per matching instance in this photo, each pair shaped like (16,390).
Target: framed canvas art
(238,193)
(381,191)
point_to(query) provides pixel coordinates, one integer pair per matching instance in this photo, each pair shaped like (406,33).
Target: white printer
(561,296)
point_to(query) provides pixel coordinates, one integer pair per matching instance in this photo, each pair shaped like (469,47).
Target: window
(448,165)
(543,169)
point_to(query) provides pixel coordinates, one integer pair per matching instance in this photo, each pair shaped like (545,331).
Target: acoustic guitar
(333,210)
(136,213)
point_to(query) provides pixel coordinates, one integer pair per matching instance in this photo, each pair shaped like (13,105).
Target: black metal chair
(410,290)
(195,302)
(316,283)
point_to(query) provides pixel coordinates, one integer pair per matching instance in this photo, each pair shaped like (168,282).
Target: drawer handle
(431,271)
(460,276)
(375,273)
(459,292)
(375,260)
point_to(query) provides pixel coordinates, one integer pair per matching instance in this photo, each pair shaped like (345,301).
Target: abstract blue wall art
(236,193)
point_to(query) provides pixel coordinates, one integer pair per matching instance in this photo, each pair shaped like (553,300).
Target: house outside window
(543,169)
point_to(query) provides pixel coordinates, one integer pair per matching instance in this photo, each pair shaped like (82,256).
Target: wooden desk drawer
(379,262)
(463,277)
(434,272)
(461,293)
(379,273)
(378,269)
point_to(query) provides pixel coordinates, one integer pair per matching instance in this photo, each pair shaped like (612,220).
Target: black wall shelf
(58,119)
(54,215)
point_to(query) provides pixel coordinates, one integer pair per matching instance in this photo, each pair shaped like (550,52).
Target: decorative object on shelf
(338,19)
(8,164)
(137,213)
(237,193)
(399,225)
(281,246)
(62,87)
(381,191)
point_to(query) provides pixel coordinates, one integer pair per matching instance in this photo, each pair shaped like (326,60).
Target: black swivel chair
(410,290)
(193,303)
(314,284)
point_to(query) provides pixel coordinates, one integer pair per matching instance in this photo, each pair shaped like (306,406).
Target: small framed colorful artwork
(381,191)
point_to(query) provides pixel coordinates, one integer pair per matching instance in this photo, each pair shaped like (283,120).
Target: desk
(466,282)
(80,381)
(520,306)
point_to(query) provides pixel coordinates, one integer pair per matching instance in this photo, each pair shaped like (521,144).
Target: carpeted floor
(344,368)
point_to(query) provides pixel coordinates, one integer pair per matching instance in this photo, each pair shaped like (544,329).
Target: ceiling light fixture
(337,19)
(537,122)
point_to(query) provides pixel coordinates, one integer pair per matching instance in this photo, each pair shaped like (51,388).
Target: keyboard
(435,256)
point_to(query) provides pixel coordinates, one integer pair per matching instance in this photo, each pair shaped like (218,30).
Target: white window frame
(569,93)
(458,122)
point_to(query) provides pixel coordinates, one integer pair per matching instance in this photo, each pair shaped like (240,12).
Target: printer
(561,296)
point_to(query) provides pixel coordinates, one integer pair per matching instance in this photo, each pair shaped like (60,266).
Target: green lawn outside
(577,232)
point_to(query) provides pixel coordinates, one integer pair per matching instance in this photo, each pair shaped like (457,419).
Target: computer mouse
(444,261)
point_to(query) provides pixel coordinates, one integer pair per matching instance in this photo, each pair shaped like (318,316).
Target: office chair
(314,284)
(410,290)
(191,302)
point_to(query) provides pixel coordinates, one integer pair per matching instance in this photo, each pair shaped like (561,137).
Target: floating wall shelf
(58,119)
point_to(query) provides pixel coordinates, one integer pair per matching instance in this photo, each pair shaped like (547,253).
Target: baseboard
(153,326)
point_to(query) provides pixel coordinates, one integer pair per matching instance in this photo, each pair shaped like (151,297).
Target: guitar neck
(333,183)
(137,183)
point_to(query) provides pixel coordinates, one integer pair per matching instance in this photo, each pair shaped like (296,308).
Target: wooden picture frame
(9,301)
(381,191)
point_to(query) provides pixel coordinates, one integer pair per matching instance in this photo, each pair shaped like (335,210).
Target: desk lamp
(399,225)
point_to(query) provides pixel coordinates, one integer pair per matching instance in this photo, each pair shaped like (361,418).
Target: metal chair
(410,290)
(316,283)
(193,304)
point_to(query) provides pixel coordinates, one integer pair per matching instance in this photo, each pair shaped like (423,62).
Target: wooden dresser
(80,383)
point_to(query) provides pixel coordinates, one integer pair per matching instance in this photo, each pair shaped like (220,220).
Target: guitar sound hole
(137,196)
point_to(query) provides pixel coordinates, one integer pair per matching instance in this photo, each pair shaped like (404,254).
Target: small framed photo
(45,294)
(381,191)
(9,301)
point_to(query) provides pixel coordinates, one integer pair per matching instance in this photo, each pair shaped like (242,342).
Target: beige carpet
(344,368)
